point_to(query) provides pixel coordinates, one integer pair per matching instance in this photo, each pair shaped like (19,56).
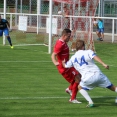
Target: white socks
(116,89)
(86,96)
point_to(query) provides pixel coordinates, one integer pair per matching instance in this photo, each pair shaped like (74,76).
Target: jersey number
(82,61)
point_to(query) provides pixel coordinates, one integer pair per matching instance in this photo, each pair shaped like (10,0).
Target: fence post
(50,27)
(11,21)
(112,30)
(116,26)
(4,18)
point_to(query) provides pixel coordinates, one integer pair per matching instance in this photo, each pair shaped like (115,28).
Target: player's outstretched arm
(101,62)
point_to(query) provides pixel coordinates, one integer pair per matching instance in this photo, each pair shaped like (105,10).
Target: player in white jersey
(92,76)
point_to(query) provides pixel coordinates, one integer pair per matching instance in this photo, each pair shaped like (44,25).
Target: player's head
(66,34)
(80,45)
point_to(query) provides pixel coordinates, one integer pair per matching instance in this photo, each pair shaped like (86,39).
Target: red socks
(74,90)
(71,85)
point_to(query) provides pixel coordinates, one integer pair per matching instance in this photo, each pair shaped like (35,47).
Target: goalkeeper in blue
(4,28)
(83,61)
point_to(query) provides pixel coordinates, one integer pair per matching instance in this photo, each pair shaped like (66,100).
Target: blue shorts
(100,30)
(5,31)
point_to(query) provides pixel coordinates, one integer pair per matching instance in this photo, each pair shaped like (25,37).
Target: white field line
(33,98)
(28,44)
(35,62)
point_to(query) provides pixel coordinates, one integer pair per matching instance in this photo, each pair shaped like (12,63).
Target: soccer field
(30,85)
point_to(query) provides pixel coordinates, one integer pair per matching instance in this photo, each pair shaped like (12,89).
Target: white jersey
(91,74)
(82,61)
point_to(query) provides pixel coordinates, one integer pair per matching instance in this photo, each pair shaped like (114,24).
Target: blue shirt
(100,24)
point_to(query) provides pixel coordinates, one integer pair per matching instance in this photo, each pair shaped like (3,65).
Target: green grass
(19,37)
(30,85)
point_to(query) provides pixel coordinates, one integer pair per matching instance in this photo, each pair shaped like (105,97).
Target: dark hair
(79,44)
(66,31)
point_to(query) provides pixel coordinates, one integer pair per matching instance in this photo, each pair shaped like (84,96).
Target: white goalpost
(4,18)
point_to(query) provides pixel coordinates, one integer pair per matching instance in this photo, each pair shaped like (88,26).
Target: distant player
(100,30)
(95,23)
(4,28)
(92,76)
(61,52)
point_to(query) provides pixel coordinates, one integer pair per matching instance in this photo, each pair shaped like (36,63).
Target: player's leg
(75,86)
(77,77)
(69,89)
(113,88)
(85,94)
(88,84)
(9,40)
(104,82)
(102,34)
(98,34)
(6,33)
(72,88)
(70,76)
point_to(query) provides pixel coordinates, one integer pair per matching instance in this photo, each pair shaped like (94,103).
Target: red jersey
(62,50)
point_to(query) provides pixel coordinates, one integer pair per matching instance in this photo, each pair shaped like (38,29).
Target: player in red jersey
(60,53)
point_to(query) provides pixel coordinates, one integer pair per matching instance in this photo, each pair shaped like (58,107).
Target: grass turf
(30,85)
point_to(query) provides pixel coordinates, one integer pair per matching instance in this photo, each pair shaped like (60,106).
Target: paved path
(107,37)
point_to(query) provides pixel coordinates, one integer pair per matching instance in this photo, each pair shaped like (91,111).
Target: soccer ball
(59,12)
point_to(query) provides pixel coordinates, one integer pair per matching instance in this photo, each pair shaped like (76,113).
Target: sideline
(33,98)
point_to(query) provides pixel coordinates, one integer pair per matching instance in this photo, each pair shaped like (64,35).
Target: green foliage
(30,85)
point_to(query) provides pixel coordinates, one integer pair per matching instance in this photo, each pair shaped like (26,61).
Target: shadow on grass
(104,101)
